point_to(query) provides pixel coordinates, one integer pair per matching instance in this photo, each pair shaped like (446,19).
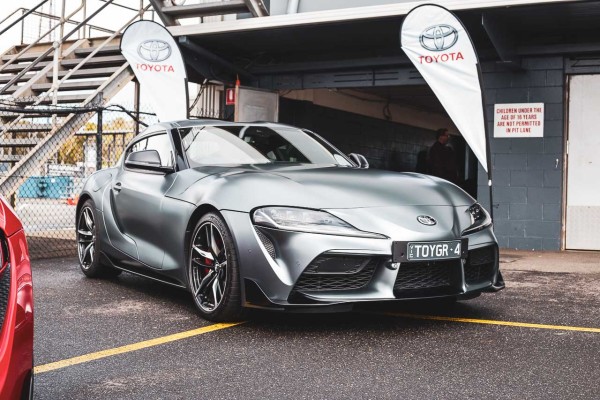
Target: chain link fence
(46,154)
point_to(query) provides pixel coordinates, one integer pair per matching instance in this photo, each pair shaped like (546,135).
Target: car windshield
(236,144)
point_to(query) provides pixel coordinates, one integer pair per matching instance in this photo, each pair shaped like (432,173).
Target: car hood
(243,188)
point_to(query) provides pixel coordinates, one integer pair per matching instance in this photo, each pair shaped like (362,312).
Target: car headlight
(305,220)
(480,219)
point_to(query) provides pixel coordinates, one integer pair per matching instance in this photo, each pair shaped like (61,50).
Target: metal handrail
(23,51)
(56,85)
(69,21)
(122,6)
(56,46)
(96,50)
(22,17)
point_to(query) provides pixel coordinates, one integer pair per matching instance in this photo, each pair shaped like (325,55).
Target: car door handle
(117,187)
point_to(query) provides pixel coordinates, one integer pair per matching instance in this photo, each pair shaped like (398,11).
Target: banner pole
(487,139)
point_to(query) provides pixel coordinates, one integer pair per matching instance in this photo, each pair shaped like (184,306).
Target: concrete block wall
(527,191)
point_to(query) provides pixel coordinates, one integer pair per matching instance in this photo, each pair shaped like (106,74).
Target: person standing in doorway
(441,160)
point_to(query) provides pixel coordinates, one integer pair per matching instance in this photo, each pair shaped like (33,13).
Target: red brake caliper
(207,262)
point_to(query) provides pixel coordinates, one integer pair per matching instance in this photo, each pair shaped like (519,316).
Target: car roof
(187,123)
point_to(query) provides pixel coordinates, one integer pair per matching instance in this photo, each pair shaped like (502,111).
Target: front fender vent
(269,246)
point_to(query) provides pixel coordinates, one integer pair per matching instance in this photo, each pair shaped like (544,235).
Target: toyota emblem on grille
(438,37)
(154,50)
(426,220)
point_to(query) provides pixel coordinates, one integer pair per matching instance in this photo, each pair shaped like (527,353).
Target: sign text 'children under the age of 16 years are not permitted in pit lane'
(519,120)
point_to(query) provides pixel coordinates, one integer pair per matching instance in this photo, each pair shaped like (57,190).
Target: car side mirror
(148,160)
(359,160)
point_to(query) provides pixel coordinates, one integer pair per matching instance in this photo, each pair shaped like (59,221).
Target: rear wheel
(88,246)
(213,270)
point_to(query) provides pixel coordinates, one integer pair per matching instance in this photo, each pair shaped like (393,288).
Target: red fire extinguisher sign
(230,97)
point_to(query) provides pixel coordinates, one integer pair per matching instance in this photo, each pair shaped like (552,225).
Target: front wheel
(213,270)
(88,245)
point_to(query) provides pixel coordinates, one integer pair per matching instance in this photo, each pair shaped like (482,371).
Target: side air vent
(269,246)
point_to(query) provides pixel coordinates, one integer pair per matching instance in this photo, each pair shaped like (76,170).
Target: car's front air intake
(427,278)
(480,265)
(337,273)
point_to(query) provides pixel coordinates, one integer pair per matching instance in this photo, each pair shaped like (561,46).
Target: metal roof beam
(210,57)
(206,9)
(158,5)
(257,8)
(503,39)
(347,14)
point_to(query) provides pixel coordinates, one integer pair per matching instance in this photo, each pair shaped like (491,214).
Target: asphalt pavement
(132,338)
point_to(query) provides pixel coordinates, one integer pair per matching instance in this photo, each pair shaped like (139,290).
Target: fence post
(99,141)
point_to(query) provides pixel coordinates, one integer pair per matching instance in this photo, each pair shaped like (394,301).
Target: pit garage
(362,94)
(343,74)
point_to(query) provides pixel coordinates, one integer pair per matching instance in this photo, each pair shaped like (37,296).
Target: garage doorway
(583,164)
(392,126)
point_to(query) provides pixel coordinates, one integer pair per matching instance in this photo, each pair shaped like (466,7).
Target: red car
(16,309)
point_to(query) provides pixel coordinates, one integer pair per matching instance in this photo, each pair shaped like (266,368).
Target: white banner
(439,46)
(158,66)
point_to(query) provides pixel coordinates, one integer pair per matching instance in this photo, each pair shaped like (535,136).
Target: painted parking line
(495,322)
(130,347)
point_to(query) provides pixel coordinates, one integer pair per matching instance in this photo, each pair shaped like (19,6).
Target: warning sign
(519,120)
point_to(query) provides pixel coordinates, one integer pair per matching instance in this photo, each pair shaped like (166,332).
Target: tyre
(214,278)
(88,246)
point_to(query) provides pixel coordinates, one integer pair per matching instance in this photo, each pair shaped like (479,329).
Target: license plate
(438,250)
(433,250)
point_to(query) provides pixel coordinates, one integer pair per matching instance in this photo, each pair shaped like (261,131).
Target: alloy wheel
(208,267)
(86,237)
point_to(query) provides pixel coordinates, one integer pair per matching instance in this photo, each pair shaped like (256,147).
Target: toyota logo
(426,220)
(154,50)
(438,37)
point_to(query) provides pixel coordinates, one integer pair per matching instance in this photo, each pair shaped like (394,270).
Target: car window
(235,144)
(161,143)
(209,145)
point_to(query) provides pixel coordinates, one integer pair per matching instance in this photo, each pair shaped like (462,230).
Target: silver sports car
(271,216)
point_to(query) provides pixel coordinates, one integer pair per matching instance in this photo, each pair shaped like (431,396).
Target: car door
(137,196)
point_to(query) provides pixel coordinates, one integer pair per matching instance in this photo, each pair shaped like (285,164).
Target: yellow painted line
(130,347)
(495,322)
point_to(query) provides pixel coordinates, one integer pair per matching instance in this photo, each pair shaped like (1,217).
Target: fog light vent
(269,246)
(337,265)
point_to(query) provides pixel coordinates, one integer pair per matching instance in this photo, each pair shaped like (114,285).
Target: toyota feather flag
(439,46)
(158,66)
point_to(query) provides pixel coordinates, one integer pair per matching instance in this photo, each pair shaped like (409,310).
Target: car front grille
(480,265)
(353,277)
(427,278)
(4,293)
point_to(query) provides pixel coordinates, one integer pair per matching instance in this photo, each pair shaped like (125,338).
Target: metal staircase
(171,12)
(48,91)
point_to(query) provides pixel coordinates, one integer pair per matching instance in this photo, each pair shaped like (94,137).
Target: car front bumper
(281,269)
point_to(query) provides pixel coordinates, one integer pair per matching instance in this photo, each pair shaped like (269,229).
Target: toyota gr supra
(16,309)
(271,216)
